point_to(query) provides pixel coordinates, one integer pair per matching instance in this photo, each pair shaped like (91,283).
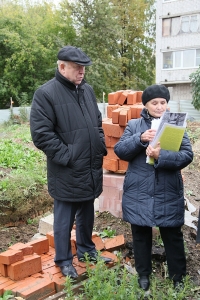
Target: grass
(7,295)
(22,168)
(107,233)
(117,283)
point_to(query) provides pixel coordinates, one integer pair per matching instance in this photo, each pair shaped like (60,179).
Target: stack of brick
(29,271)
(122,107)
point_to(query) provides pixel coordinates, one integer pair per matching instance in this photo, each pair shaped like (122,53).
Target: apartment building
(177,47)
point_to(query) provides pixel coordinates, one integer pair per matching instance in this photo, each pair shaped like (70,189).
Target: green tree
(96,35)
(119,36)
(136,43)
(30,37)
(195,82)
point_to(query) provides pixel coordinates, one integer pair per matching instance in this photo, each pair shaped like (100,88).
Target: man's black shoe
(144,282)
(106,260)
(95,258)
(69,270)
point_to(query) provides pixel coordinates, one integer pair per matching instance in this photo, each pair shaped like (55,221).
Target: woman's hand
(148,135)
(153,152)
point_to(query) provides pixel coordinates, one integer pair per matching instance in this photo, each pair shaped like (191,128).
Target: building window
(167,60)
(181,59)
(189,23)
(166,27)
(194,23)
(178,25)
(198,57)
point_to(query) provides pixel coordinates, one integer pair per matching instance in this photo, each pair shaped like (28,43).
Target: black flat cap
(155,91)
(70,53)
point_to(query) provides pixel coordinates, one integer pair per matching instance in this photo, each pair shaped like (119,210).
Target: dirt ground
(22,232)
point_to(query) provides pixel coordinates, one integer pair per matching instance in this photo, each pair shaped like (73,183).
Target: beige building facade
(177,45)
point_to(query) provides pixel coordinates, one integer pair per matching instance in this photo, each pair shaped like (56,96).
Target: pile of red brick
(122,107)
(29,271)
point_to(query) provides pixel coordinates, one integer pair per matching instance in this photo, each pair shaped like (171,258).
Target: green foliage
(119,36)
(30,36)
(193,134)
(32,221)
(122,54)
(195,82)
(158,239)
(15,155)
(108,232)
(23,168)
(117,283)
(7,295)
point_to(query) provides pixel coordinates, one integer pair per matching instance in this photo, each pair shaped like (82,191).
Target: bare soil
(24,230)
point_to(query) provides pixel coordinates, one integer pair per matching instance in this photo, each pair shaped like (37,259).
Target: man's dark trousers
(64,216)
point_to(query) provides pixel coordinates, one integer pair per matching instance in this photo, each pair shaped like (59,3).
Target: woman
(153,194)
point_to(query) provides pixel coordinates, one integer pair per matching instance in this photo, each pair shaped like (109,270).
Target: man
(66,125)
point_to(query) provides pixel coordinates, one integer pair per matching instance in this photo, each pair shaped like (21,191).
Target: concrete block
(46,224)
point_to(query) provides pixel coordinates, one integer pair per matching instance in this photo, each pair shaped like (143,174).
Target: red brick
(53,270)
(109,255)
(38,289)
(51,251)
(94,234)
(45,257)
(123,165)
(139,96)
(50,236)
(132,98)
(73,247)
(38,275)
(10,256)
(110,164)
(26,249)
(113,98)
(13,286)
(59,283)
(30,265)
(123,118)
(123,98)
(113,130)
(113,141)
(139,109)
(114,243)
(48,264)
(4,286)
(108,141)
(3,280)
(115,116)
(99,244)
(76,262)
(40,246)
(3,270)
(110,109)
(111,154)
(133,112)
(128,108)
(80,270)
